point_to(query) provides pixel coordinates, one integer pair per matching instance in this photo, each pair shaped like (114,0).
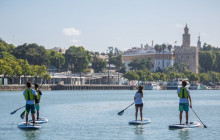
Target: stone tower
(199,42)
(186,38)
(187,54)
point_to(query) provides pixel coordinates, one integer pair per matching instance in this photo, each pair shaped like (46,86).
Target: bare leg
(180,116)
(187,117)
(26,119)
(38,115)
(136,113)
(33,118)
(141,113)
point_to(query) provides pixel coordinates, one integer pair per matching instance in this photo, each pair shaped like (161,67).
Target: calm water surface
(92,115)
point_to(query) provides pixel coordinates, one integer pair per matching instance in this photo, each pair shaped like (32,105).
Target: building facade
(161,60)
(187,54)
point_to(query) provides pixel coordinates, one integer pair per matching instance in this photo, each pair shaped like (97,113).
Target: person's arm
(135,97)
(24,93)
(142,94)
(178,91)
(190,101)
(40,94)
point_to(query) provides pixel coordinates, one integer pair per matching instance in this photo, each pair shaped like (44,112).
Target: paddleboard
(30,126)
(41,120)
(139,122)
(190,125)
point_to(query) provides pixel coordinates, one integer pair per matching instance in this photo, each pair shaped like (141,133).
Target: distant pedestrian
(185,99)
(37,100)
(138,99)
(29,95)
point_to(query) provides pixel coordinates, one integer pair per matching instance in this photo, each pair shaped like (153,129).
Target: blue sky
(98,24)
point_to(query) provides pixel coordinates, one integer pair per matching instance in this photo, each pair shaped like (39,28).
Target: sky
(99,24)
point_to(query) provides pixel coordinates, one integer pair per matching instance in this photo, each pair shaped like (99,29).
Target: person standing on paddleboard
(29,95)
(138,99)
(37,100)
(185,99)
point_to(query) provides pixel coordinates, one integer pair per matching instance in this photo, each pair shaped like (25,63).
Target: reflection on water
(184,134)
(32,135)
(139,132)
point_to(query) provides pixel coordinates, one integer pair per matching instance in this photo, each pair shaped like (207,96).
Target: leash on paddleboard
(22,114)
(199,118)
(121,112)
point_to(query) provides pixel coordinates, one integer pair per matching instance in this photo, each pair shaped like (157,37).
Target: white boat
(176,83)
(194,87)
(152,86)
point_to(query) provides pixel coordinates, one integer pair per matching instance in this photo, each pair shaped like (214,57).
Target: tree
(25,67)
(56,59)
(206,61)
(142,75)
(5,47)
(77,59)
(203,77)
(99,65)
(117,61)
(8,65)
(140,64)
(38,71)
(169,47)
(131,75)
(33,53)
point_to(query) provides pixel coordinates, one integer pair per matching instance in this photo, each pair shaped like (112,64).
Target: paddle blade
(205,126)
(22,115)
(120,113)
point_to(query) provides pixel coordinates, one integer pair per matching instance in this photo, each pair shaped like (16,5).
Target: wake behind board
(23,126)
(139,122)
(190,125)
(41,120)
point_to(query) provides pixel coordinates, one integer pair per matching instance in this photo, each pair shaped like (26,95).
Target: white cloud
(71,31)
(179,25)
(74,41)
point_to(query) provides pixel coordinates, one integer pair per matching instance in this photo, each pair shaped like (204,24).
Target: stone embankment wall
(20,87)
(92,87)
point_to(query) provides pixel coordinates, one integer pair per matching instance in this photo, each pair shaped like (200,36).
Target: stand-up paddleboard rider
(185,99)
(29,97)
(138,99)
(37,100)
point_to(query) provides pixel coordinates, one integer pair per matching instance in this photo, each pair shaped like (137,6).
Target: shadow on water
(32,134)
(184,134)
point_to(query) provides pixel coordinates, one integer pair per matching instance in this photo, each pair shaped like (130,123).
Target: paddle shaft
(17,109)
(129,106)
(198,117)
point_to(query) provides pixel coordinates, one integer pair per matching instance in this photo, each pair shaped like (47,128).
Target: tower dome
(186,29)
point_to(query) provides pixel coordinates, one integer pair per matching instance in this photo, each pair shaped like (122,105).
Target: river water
(92,115)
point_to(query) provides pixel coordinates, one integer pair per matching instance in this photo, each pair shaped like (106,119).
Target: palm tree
(163,47)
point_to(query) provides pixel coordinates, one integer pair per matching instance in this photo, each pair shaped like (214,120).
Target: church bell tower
(186,38)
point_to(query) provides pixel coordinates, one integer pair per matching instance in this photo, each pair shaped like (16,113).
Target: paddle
(23,113)
(17,110)
(199,119)
(121,112)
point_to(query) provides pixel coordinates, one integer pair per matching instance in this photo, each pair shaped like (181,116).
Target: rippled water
(92,115)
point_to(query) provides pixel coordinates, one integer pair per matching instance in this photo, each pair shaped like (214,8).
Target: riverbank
(69,87)
(84,87)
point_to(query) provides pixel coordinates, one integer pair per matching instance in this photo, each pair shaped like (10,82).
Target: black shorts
(139,105)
